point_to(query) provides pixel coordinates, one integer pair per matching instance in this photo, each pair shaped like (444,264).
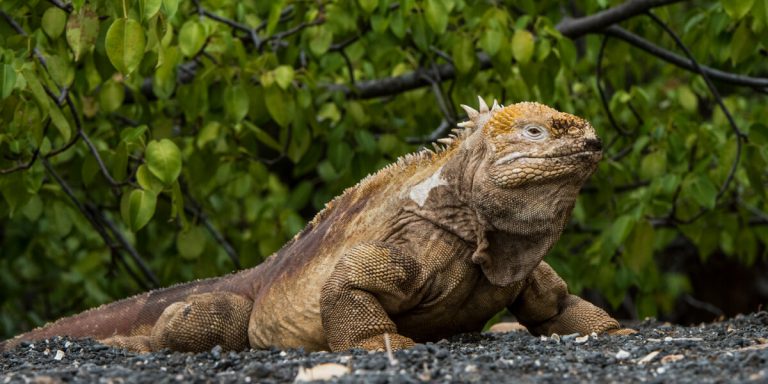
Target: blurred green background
(149,142)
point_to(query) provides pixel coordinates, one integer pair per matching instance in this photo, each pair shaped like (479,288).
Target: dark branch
(128,248)
(64,7)
(89,214)
(682,62)
(390,85)
(575,28)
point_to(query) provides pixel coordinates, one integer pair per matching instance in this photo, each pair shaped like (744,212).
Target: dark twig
(64,7)
(89,215)
(27,165)
(350,68)
(601,91)
(128,248)
(91,147)
(23,166)
(242,27)
(288,32)
(196,210)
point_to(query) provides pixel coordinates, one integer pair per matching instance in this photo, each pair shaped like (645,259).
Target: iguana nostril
(594,145)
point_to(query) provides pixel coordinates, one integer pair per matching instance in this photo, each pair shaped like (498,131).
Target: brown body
(433,245)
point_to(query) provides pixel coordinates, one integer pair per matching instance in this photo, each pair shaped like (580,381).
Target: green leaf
(210,132)
(177,205)
(147,180)
(704,191)
(436,13)
(639,250)
(368,5)
(54,21)
(687,98)
(464,55)
(82,31)
(164,160)
(653,165)
(263,136)
(137,208)
(491,40)
(133,136)
(621,229)
(236,103)
(111,96)
(170,7)
(280,105)
(7,80)
(125,44)
(191,243)
(743,44)
(151,7)
(283,76)
(191,38)
(320,40)
(58,119)
(737,9)
(61,70)
(522,46)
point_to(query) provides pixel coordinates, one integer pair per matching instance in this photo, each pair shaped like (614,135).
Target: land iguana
(432,245)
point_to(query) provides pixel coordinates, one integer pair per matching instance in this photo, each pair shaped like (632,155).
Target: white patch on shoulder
(420,191)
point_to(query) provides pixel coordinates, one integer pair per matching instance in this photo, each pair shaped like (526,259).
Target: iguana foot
(621,331)
(203,321)
(378,342)
(138,344)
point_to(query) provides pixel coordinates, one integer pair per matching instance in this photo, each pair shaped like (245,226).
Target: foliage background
(148,142)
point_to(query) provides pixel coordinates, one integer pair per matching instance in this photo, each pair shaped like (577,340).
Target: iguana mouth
(517,155)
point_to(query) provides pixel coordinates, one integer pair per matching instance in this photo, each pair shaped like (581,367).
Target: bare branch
(682,62)
(575,28)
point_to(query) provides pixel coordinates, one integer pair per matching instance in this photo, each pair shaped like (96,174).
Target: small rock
(216,352)
(321,372)
(581,339)
(555,337)
(671,358)
(648,358)
(59,355)
(470,368)
(622,355)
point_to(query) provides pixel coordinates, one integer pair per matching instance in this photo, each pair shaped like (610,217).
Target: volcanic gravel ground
(735,350)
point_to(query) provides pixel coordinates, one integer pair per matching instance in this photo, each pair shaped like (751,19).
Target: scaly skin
(430,246)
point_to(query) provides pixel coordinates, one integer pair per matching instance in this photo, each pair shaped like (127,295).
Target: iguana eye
(534,132)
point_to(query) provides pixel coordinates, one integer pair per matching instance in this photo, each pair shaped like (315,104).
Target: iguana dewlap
(432,245)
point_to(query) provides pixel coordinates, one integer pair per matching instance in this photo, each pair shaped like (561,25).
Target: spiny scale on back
(477,119)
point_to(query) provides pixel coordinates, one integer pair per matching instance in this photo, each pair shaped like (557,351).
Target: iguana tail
(134,316)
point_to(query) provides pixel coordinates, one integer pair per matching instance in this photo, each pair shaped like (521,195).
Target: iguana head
(530,143)
(532,161)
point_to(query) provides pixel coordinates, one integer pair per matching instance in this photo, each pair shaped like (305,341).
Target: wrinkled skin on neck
(522,171)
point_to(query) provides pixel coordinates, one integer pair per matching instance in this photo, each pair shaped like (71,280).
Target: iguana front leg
(545,307)
(370,282)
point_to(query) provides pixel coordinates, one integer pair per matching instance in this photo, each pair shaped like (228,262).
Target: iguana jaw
(587,155)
